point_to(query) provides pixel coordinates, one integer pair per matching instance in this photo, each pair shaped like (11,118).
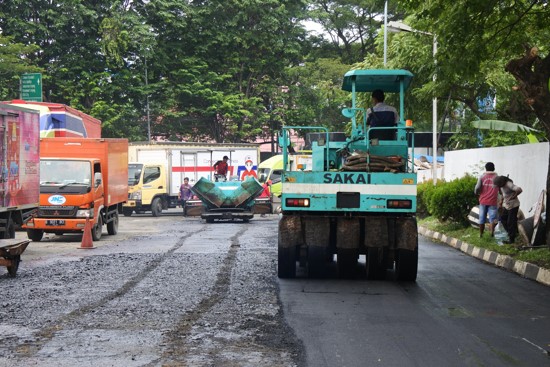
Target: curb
(525,269)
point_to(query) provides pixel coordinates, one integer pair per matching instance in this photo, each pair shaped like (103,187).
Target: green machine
(227,200)
(359,195)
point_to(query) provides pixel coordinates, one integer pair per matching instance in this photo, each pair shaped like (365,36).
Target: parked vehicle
(80,179)
(359,198)
(157,170)
(272,168)
(62,121)
(19,167)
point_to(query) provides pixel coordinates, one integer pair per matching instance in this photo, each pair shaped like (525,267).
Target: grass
(469,234)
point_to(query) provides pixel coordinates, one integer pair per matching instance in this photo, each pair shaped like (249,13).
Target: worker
(381,115)
(221,168)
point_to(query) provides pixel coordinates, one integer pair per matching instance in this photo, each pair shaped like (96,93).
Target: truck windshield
(65,172)
(134,173)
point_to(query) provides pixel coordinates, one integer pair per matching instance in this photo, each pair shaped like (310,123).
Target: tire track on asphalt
(176,342)
(28,349)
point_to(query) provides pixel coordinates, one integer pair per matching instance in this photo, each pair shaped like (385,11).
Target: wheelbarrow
(10,254)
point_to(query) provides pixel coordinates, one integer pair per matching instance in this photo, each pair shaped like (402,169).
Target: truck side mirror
(136,175)
(97,179)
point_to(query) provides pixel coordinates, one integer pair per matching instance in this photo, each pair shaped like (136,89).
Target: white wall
(526,165)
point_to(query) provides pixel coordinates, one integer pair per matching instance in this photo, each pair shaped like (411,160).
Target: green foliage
(448,201)
(14,62)
(424,194)
(470,235)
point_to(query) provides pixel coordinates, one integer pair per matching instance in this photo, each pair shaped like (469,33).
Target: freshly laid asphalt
(525,269)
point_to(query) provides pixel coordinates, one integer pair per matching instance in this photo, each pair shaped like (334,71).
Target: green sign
(31,87)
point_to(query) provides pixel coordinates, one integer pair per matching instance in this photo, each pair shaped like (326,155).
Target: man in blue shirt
(381,115)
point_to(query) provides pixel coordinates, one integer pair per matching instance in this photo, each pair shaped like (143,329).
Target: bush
(448,201)
(424,193)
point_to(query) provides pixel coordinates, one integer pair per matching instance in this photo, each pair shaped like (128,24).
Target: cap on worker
(225,157)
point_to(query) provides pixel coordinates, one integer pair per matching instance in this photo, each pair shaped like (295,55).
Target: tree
(15,61)
(351,25)
(477,37)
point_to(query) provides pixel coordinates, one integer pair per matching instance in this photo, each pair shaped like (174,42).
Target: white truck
(156,170)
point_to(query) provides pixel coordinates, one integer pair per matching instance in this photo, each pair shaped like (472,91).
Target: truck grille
(56,212)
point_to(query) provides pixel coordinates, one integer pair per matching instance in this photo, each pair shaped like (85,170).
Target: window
(151,174)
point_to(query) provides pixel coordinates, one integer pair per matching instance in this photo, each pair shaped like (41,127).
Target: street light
(147,103)
(396,26)
(385,32)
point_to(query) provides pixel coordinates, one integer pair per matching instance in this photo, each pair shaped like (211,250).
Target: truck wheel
(97,229)
(10,229)
(376,263)
(156,207)
(12,270)
(127,212)
(347,263)
(316,262)
(406,265)
(112,226)
(35,235)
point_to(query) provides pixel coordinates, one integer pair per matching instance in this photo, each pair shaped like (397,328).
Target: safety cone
(87,242)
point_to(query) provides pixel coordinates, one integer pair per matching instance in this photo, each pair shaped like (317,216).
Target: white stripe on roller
(302,188)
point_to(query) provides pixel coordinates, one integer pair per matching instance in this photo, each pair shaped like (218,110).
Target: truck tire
(112,226)
(406,265)
(10,229)
(156,207)
(127,212)
(35,235)
(97,229)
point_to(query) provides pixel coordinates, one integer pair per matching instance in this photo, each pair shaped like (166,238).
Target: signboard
(31,87)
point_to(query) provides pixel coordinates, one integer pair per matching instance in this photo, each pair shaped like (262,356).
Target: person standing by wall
(510,205)
(185,193)
(488,198)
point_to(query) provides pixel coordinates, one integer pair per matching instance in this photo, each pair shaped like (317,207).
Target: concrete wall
(526,165)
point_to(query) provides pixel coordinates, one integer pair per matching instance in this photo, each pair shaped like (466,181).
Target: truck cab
(148,189)
(81,179)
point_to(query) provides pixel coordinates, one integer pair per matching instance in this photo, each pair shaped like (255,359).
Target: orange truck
(80,178)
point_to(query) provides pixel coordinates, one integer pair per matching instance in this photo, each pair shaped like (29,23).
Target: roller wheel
(127,212)
(35,235)
(12,270)
(347,263)
(112,226)
(156,207)
(376,263)
(406,265)
(286,265)
(316,261)
(97,229)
